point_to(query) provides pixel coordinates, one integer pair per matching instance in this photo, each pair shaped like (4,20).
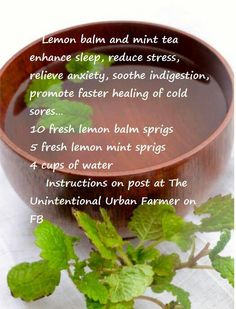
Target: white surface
(207,289)
(24,21)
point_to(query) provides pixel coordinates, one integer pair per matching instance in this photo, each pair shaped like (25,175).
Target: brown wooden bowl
(200,166)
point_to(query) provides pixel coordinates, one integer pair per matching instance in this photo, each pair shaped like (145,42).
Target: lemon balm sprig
(117,272)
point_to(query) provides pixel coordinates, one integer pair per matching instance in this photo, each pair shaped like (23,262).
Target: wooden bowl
(201,166)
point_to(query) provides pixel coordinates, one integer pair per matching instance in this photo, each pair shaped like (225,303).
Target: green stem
(124,257)
(152,245)
(153,300)
(140,244)
(155,243)
(192,260)
(109,270)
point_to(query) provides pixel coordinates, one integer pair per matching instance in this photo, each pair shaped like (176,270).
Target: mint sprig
(117,272)
(64,112)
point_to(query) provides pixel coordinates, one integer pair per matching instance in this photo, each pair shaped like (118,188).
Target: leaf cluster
(117,272)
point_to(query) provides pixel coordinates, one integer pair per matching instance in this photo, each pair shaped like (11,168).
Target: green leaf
(98,263)
(220,211)
(108,233)
(79,268)
(129,282)
(90,228)
(142,255)
(223,241)
(182,296)
(160,283)
(77,67)
(174,305)
(146,222)
(67,113)
(79,271)
(57,247)
(165,265)
(160,222)
(31,281)
(42,85)
(223,265)
(102,234)
(164,268)
(96,305)
(91,287)
(177,230)
(91,304)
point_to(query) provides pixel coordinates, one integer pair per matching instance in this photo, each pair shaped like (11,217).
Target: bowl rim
(100,174)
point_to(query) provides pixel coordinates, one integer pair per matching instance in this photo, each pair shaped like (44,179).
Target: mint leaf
(160,222)
(165,265)
(91,287)
(220,211)
(96,305)
(42,85)
(78,67)
(164,268)
(146,222)
(177,230)
(90,228)
(31,281)
(57,247)
(182,296)
(79,271)
(102,234)
(98,263)
(160,283)
(91,304)
(67,113)
(129,282)
(142,255)
(174,305)
(223,265)
(223,241)
(107,232)
(79,268)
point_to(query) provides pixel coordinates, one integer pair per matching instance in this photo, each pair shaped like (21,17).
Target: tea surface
(192,119)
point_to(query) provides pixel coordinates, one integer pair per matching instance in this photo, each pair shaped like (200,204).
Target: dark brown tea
(136,124)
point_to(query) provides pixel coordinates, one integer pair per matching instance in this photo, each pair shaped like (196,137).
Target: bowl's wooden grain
(201,166)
